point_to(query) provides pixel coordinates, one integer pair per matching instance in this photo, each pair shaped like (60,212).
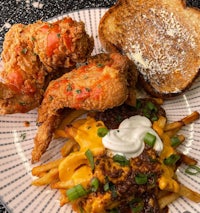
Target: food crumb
(26,123)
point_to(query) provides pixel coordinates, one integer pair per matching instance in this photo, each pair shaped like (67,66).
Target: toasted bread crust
(161,37)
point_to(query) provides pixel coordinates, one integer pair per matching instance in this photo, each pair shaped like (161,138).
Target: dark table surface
(24,11)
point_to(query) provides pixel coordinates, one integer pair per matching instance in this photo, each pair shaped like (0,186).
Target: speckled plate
(16,141)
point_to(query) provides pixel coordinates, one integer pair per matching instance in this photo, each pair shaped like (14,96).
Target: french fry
(188,160)
(71,130)
(157,128)
(70,170)
(174,125)
(62,184)
(167,199)
(188,193)
(159,125)
(162,121)
(63,198)
(38,170)
(70,117)
(190,118)
(48,178)
(181,138)
(60,133)
(41,174)
(172,132)
(70,145)
(162,193)
(159,101)
(184,121)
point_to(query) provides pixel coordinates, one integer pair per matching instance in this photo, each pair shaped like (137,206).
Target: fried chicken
(100,85)
(34,54)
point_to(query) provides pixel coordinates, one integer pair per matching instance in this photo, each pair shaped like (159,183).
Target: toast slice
(161,37)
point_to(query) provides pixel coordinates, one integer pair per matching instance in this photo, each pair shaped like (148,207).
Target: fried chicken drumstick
(33,55)
(100,85)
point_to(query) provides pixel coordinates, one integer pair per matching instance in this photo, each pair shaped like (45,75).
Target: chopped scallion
(151,106)
(150,139)
(90,158)
(138,208)
(141,178)
(121,160)
(146,113)
(100,65)
(24,50)
(78,91)
(94,184)
(154,117)
(23,136)
(113,190)
(171,160)
(69,87)
(76,192)
(192,170)
(102,131)
(106,187)
(175,141)
(138,104)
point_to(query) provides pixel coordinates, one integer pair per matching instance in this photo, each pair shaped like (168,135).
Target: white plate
(16,143)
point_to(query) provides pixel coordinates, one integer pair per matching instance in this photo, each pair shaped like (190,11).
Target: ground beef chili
(144,197)
(113,117)
(123,186)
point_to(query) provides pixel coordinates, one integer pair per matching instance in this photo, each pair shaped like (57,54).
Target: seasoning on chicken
(100,85)
(34,54)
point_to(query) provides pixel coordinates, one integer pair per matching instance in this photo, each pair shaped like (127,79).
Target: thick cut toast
(161,37)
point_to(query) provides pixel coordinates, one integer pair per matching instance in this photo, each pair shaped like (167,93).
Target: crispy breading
(100,85)
(31,57)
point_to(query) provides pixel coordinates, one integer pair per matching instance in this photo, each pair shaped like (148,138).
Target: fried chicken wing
(62,43)
(100,85)
(34,54)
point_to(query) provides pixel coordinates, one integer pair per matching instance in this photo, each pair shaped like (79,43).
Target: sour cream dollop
(128,139)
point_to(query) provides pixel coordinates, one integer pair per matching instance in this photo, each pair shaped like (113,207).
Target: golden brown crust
(162,38)
(99,85)
(33,55)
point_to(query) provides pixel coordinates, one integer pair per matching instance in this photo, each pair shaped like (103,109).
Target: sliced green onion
(136,200)
(192,170)
(113,190)
(154,117)
(90,158)
(138,208)
(121,160)
(94,184)
(106,187)
(146,113)
(141,178)
(172,159)
(100,65)
(24,50)
(175,141)
(150,139)
(76,192)
(23,136)
(138,104)
(110,186)
(102,131)
(151,106)
(118,118)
